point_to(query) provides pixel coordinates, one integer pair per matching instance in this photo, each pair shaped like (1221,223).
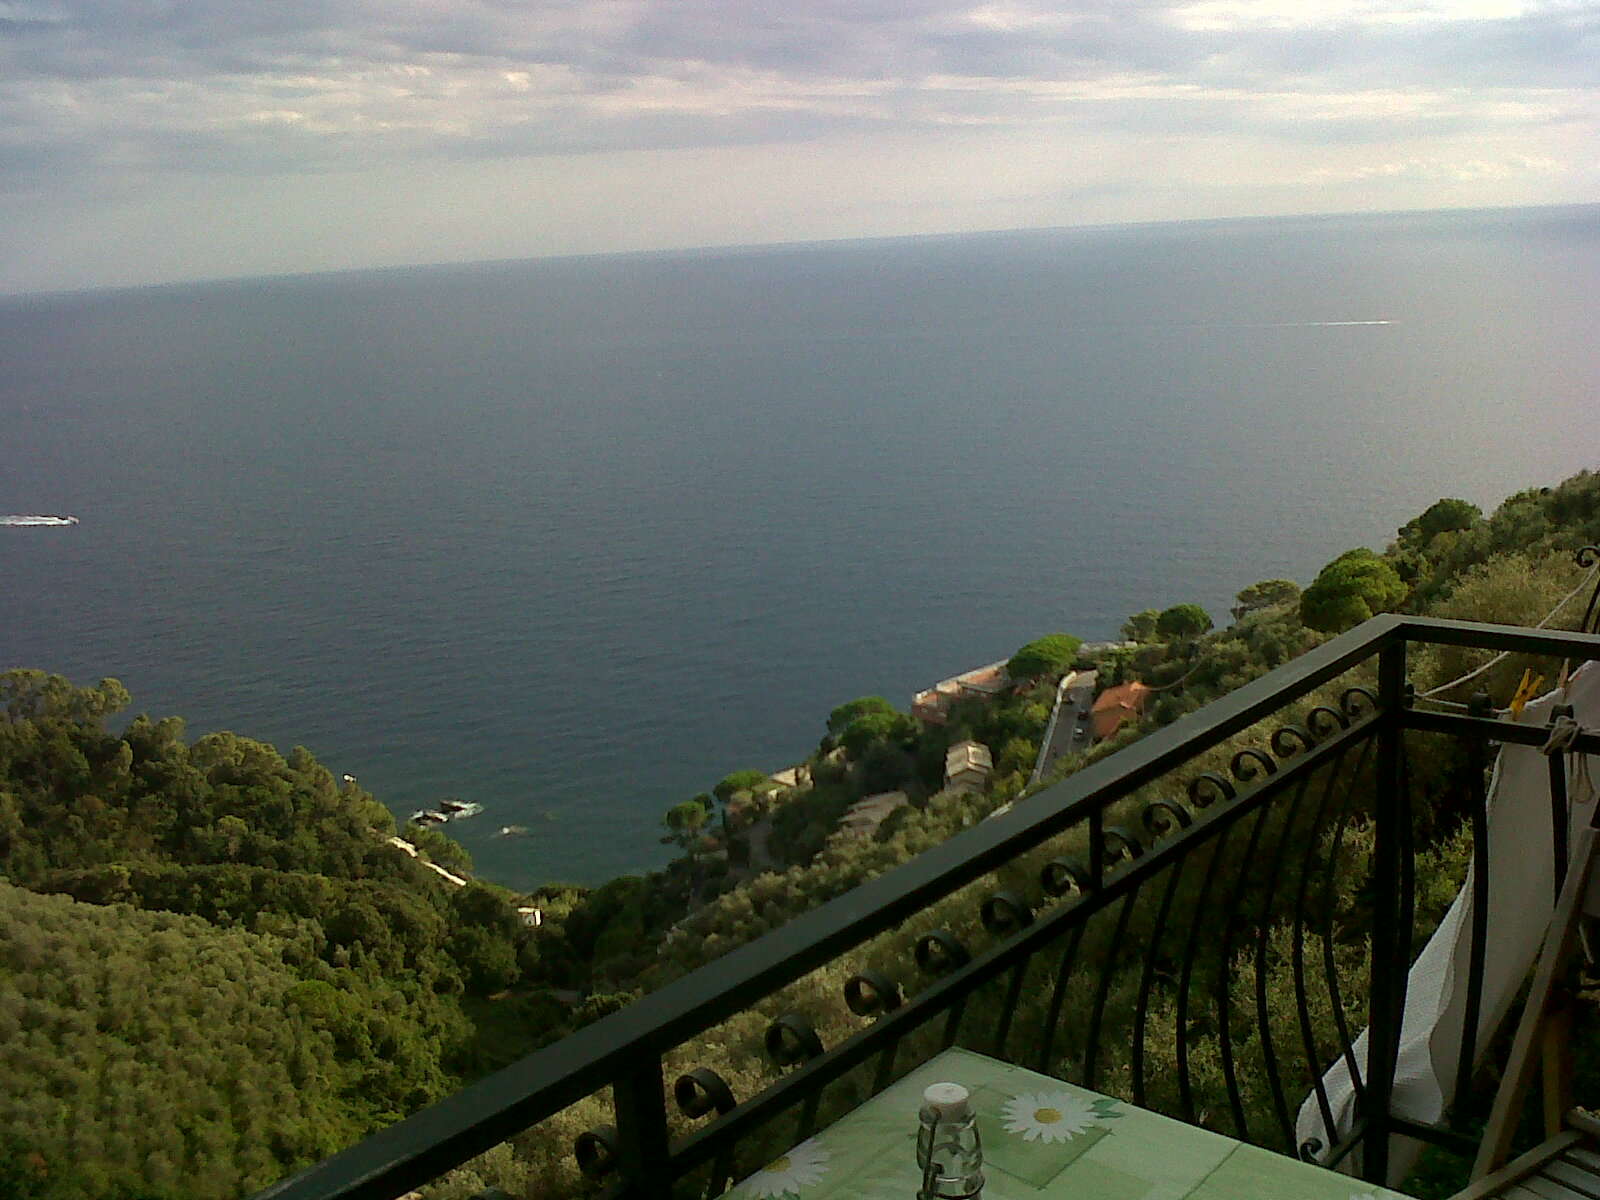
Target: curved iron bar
(1329,966)
(1147,976)
(1186,975)
(597,1151)
(791,1040)
(702,1091)
(1119,935)
(1264,926)
(1208,787)
(938,952)
(1221,990)
(1289,740)
(1357,702)
(1159,816)
(1060,876)
(1058,996)
(1318,720)
(1120,841)
(1250,762)
(870,993)
(1003,913)
(1588,556)
(1314,1067)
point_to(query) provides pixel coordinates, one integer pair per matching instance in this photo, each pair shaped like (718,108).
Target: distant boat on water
(37,519)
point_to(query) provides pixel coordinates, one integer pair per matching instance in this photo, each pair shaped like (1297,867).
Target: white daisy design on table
(1054,1116)
(785,1175)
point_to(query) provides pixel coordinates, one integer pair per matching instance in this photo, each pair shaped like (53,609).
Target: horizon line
(780,245)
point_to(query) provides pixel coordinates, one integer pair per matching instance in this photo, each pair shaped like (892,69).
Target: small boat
(424,816)
(512,831)
(38,519)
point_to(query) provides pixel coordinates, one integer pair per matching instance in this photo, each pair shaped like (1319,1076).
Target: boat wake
(37,519)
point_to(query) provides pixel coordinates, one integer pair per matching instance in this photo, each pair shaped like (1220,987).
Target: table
(1042,1138)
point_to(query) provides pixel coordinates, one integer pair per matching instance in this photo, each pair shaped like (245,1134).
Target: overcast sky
(156,140)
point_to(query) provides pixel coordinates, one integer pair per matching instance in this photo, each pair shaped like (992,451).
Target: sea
(573,538)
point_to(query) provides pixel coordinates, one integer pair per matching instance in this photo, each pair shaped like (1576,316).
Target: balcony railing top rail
(624,1051)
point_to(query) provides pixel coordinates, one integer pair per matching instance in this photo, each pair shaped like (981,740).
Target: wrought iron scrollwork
(1250,762)
(870,993)
(1208,787)
(1119,841)
(1357,702)
(596,1151)
(1586,557)
(1006,912)
(1323,721)
(791,1040)
(1289,740)
(702,1091)
(1060,876)
(939,953)
(1159,817)
(1310,1149)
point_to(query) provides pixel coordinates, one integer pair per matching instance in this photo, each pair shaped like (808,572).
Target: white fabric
(1521,901)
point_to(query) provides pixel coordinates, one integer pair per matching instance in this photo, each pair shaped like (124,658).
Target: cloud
(105,97)
(448,77)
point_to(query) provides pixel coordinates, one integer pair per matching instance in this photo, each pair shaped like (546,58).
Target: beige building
(794,778)
(861,819)
(933,705)
(967,767)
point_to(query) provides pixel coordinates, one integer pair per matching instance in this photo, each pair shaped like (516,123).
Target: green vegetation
(1269,593)
(1049,655)
(270,941)
(148,1054)
(684,822)
(1351,589)
(847,714)
(1183,621)
(1141,627)
(1442,516)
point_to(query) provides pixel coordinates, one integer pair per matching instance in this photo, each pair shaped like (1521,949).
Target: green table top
(1041,1138)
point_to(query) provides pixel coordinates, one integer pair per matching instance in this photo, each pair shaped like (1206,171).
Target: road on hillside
(1070,730)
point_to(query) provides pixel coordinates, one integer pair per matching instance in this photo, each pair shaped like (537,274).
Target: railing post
(1390,944)
(1560,819)
(640,1101)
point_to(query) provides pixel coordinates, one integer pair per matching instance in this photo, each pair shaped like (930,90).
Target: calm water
(575,538)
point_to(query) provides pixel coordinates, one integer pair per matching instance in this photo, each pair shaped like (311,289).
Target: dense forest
(229,939)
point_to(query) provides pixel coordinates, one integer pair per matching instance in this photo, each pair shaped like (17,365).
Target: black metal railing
(1202,923)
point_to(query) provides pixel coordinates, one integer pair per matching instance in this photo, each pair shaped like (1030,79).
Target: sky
(149,141)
